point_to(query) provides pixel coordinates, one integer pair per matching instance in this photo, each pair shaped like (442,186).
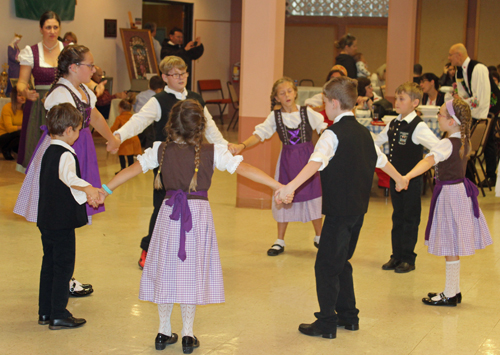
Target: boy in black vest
(61,209)
(156,112)
(346,156)
(407,135)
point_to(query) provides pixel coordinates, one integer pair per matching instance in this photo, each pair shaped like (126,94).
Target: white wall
(88,25)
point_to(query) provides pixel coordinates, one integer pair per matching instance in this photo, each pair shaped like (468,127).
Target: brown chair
(236,105)
(478,142)
(214,85)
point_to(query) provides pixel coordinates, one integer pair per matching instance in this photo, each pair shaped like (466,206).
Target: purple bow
(180,210)
(472,193)
(45,130)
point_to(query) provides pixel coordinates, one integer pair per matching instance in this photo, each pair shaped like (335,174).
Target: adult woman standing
(41,61)
(348,46)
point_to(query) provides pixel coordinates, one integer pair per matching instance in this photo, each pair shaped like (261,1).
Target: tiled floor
(266,297)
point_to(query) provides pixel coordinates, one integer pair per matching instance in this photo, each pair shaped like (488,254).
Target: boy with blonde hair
(407,135)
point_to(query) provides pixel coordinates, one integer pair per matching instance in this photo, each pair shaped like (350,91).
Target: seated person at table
(10,124)
(407,134)
(316,102)
(104,101)
(430,86)
(448,78)
(156,85)
(378,80)
(366,98)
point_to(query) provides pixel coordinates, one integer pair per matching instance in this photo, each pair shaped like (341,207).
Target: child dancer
(75,67)
(456,225)
(294,125)
(62,209)
(131,146)
(184,269)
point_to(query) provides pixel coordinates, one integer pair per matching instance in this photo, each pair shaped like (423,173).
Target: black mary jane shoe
(189,343)
(43,320)
(391,264)
(443,301)
(348,326)
(78,289)
(459,296)
(274,252)
(163,340)
(314,331)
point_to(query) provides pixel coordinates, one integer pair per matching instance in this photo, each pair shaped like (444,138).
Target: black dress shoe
(491,182)
(316,244)
(274,252)
(444,301)
(67,323)
(459,296)
(43,320)
(189,343)
(312,330)
(348,326)
(404,268)
(391,264)
(163,340)
(82,291)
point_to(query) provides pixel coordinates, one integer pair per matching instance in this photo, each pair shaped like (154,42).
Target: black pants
(158,197)
(9,142)
(130,160)
(334,284)
(405,220)
(58,265)
(490,152)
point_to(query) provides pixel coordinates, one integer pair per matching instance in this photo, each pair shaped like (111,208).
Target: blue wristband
(107,189)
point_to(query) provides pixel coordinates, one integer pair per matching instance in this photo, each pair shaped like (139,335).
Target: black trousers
(9,142)
(334,284)
(58,264)
(405,220)
(130,160)
(158,197)
(490,152)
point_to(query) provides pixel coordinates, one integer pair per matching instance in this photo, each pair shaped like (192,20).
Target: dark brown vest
(454,167)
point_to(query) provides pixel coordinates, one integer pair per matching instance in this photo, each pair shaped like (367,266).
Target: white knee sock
(452,279)
(188,311)
(165,311)
(316,239)
(279,242)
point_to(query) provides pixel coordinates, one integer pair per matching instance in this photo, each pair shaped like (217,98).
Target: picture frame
(110,28)
(139,53)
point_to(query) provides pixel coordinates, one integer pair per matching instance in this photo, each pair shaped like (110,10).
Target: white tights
(188,312)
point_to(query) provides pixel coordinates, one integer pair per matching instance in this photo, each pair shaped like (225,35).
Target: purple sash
(472,193)
(45,133)
(180,210)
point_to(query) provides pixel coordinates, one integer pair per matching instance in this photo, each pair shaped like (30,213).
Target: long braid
(463,113)
(158,185)
(194,180)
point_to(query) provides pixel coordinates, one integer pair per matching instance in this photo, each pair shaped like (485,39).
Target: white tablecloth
(305,92)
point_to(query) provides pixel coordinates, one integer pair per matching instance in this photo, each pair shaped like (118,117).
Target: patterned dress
(456,226)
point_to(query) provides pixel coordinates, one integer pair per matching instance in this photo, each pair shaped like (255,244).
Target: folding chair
(306,81)
(478,141)
(236,104)
(214,85)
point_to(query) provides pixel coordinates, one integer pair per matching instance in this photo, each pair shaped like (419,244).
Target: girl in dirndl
(183,264)
(295,125)
(456,226)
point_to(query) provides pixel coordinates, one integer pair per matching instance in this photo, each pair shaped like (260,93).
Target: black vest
(403,153)
(167,101)
(347,180)
(57,208)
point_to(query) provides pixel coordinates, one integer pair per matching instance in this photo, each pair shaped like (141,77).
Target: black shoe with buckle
(163,340)
(189,343)
(443,301)
(459,296)
(273,251)
(78,289)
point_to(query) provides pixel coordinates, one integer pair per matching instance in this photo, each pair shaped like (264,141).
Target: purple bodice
(43,76)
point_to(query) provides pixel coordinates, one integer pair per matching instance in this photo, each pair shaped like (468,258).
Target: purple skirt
(27,201)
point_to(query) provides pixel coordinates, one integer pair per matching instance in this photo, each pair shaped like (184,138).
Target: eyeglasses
(91,66)
(178,76)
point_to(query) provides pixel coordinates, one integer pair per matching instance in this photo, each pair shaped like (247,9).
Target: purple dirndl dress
(183,263)
(34,113)
(296,151)
(27,201)
(456,226)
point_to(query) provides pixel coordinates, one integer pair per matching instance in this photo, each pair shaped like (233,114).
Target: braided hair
(463,113)
(275,104)
(70,55)
(186,124)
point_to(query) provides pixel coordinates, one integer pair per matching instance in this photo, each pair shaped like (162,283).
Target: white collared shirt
(327,145)
(481,89)
(61,95)
(151,112)
(421,135)
(443,149)
(67,172)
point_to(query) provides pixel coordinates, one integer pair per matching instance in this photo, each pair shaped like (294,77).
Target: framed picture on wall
(139,53)
(110,28)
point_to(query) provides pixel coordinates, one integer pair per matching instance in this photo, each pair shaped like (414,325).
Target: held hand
(198,41)
(102,196)
(235,149)
(189,46)
(31,95)
(284,195)
(99,90)
(402,183)
(113,145)
(92,195)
